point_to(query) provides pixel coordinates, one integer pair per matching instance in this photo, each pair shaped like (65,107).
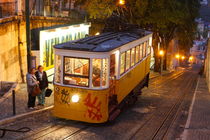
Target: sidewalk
(21,97)
(198,123)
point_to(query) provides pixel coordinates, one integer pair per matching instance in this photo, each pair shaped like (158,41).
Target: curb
(24,115)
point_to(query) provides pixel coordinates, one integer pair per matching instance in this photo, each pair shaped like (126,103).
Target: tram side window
(149,48)
(133,51)
(137,54)
(145,48)
(100,73)
(105,72)
(128,59)
(122,63)
(57,68)
(76,71)
(141,52)
(96,77)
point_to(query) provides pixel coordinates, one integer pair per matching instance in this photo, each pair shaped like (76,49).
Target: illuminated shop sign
(51,37)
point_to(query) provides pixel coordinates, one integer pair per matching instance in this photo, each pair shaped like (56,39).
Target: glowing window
(104,72)
(57,68)
(137,54)
(141,52)
(76,71)
(133,51)
(145,48)
(122,63)
(96,76)
(128,59)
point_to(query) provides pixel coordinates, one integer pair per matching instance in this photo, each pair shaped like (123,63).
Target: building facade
(13,50)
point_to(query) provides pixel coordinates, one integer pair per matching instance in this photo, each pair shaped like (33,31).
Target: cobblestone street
(160,113)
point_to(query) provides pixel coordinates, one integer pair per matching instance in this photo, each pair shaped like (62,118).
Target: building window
(133,51)
(57,68)
(128,60)
(76,71)
(137,54)
(122,63)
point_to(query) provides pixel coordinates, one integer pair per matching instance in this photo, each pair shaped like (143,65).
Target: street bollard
(13,102)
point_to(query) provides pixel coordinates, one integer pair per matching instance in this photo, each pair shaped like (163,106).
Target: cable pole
(28,33)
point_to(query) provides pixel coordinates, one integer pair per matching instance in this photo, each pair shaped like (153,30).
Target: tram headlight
(75,98)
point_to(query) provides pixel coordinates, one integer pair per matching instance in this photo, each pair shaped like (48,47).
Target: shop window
(76,71)
(57,68)
(128,59)
(96,76)
(122,63)
(133,56)
(137,54)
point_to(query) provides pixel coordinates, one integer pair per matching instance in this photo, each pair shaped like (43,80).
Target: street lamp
(183,57)
(97,33)
(121,2)
(177,56)
(161,53)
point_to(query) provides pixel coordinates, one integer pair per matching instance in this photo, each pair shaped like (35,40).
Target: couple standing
(36,78)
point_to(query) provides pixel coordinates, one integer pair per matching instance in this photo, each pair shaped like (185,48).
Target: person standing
(31,83)
(41,76)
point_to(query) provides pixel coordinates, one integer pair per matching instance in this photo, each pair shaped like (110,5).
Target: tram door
(112,81)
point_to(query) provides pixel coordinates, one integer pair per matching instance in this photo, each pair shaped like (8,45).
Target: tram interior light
(75,98)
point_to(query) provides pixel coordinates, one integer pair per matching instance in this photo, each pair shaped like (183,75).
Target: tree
(167,19)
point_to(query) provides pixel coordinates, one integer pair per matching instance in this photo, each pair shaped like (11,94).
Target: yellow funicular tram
(96,76)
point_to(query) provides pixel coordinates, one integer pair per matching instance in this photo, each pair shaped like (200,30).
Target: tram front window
(76,71)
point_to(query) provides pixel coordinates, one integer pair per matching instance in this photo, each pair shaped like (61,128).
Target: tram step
(114,114)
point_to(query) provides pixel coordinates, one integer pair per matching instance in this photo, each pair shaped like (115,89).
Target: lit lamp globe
(121,2)
(177,56)
(191,58)
(183,57)
(161,52)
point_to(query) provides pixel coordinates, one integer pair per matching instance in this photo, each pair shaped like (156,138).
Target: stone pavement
(6,107)
(198,123)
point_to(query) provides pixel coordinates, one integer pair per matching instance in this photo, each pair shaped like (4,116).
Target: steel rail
(166,116)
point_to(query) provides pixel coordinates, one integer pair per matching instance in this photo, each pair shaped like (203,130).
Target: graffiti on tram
(93,105)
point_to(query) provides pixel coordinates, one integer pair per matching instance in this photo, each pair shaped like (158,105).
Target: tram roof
(104,42)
